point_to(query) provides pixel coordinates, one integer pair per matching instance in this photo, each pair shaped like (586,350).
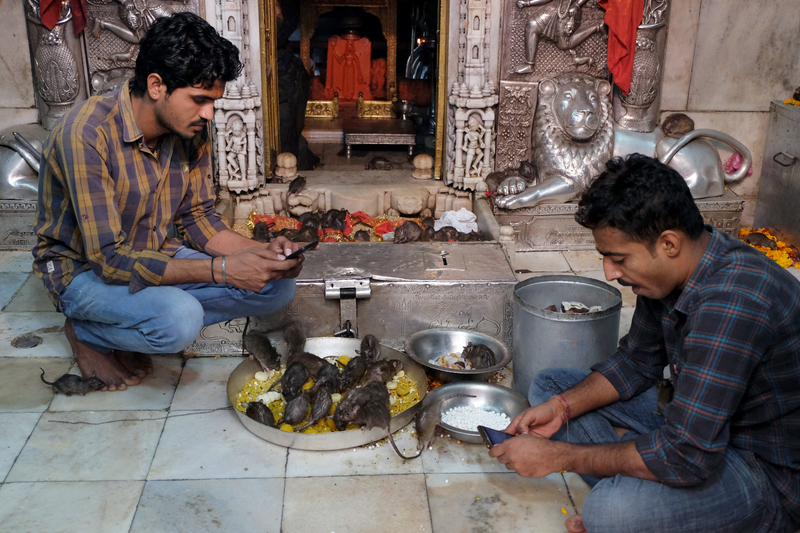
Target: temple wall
(17,103)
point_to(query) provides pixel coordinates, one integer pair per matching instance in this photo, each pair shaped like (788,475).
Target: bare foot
(136,363)
(114,375)
(575,524)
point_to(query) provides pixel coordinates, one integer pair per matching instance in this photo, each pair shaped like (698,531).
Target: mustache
(202,122)
(625,283)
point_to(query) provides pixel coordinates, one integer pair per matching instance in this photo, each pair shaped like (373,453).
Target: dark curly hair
(185,51)
(641,197)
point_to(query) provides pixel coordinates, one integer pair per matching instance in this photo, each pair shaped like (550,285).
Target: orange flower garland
(786,255)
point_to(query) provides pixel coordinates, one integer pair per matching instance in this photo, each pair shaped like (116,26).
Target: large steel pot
(545,339)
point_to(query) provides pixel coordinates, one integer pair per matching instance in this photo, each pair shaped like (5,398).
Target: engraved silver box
(390,291)
(552,227)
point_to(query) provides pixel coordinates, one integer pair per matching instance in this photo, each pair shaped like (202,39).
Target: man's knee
(609,508)
(552,381)
(176,323)
(280,293)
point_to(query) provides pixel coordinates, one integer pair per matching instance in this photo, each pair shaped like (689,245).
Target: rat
(379,163)
(310,218)
(260,413)
(297,185)
(428,417)
(759,239)
(478,355)
(368,407)
(295,410)
(664,393)
(361,235)
(408,232)
(677,125)
(321,404)
(446,234)
(370,348)
(334,219)
(329,376)
(382,371)
(260,348)
(261,232)
(70,384)
(295,338)
(293,380)
(353,372)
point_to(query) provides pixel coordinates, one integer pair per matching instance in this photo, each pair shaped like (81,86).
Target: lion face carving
(573,134)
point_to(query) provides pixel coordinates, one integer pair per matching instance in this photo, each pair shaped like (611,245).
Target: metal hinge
(347,290)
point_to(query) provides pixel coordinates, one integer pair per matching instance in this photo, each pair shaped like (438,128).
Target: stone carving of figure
(558,21)
(236,147)
(474,145)
(134,20)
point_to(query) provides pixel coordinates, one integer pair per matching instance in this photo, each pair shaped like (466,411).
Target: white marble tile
(584,260)
(106,506)
(21,388)
(15,58)
(225,505)
(451,456)
(15,428)
(679,56)
(204,382)
(10,282)
(357,504)
(497,502)
(578,488)
(372,459)
(31,297)
(747,54)
(12,116)
(48,326)
(539,262)
(63,447)
(153,393)
(16,262)
(794,272)
(213,446)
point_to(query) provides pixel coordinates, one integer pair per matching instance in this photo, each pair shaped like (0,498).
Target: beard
(167,118)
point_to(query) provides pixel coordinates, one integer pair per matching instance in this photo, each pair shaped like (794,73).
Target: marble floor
(169,455)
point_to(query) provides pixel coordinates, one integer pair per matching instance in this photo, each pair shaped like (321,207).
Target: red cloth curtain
(51,14)
(622,18)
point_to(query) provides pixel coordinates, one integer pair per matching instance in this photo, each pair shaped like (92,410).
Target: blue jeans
(164,319)
(737,498)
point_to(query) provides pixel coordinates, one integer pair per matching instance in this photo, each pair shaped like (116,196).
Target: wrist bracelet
(213,279)
(223,270)
(566,414)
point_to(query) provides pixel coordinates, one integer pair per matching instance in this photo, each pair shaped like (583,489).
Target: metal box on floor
(390,291)
(779,185)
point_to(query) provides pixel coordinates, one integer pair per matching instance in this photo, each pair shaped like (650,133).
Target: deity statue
(348,67)
(236,147)
(134,21)
(474,145)
(558,22)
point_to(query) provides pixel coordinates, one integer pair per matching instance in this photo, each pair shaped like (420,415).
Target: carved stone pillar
(57,73)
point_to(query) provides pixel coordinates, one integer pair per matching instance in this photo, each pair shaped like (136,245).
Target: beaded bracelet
(212,271)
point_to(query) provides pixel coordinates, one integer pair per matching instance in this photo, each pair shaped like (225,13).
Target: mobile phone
(305,248)
(492,436)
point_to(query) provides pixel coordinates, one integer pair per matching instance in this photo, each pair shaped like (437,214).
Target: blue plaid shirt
(732,339)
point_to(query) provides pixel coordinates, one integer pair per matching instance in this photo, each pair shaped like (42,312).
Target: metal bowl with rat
(431,343)
(324,347)
(486,395)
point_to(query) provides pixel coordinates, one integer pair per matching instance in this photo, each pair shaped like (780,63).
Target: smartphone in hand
(492,436)
(305,248)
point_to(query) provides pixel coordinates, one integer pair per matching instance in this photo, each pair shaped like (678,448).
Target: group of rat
(312,222)
(362,383)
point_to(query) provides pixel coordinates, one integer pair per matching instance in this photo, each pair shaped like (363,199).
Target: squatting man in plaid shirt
(117,172)
(725,320)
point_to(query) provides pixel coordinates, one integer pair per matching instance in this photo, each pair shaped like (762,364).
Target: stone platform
(552,227)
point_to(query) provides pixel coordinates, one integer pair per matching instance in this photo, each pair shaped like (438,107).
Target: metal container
(486,395)
(323,347)
(779,185)
(432,343)
(545,339)
(390,291)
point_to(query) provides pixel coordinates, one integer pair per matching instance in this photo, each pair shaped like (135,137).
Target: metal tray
(326,346)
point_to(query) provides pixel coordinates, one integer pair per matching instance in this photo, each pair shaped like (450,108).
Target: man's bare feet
(114,375)
(136,363)
(575,524)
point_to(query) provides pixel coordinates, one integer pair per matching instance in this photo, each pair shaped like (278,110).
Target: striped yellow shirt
(107,202)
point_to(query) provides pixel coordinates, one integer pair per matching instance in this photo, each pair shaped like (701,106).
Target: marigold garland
(786,255)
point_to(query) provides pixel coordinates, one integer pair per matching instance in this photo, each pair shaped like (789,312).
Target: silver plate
(486,395)
(323,347)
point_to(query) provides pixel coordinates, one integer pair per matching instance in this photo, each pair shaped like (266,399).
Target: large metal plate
(325,346)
